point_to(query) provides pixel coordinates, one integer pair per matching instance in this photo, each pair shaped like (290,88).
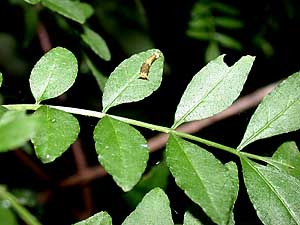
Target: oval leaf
(189,219)
(68,8)
(53,74)
(122,151)
(101,218)
(278,113)
(275,195)
(212,89)
(57,131)
(203,178)
(289,154)
(96,43)
(124,84)
(154,209)
(16,128)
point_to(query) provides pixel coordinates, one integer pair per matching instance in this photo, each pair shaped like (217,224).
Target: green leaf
(227,41)
(16,128)
(275,195)
(124,85)
(122,151)
(200,35)
(1,79)
(33,2)
(86,8)
(278,113)
(53,74)
(70,9)
(154,209)
(189,219)
(101,218)
(96,43)
(57,131)
(212,89)
(100,78)
(204,179)
(227,22)
(212,51)
(156,177)
(7,216)
(289,154)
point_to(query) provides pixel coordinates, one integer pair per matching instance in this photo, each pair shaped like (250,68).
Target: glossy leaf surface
(278,113)
(122,151)
(53,74)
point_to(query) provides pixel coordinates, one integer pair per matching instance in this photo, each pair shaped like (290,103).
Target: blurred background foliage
(189,33)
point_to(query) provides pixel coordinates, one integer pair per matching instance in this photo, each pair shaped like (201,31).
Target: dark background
(163,25)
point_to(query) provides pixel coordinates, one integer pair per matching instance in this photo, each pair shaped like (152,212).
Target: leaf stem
(24,214)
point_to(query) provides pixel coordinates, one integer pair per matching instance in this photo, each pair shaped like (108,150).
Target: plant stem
(24,214)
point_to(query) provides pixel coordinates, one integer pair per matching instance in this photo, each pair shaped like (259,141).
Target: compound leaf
(275,195)
(122,151)
(53,74)
(204,179)
(212,89)
(278,113)
(57,131)
(124,85)
(154,209)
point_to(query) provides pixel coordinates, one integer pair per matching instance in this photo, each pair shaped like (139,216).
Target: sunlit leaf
(275,195)
(53,74)
(16,128)
(154,209)
(101,218)
(189,219)
(203,178)
(124,85)
(96,43)
(212,89)
(278,113)
(57,131)
(122,151)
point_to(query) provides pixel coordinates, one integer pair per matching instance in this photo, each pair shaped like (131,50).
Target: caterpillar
(144,70)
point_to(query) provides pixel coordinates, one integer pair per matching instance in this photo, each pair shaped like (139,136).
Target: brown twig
(157,142)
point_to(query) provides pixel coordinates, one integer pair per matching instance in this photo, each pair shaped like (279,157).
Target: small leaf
(200,35)
(122,151)
(7,216)
(53,74)
(227,41)
(289,154)
(16,128)
(96,43)
(70,9)
(154,209)
(204,179)
(101,218)
(32,2)
(124,85)
(1,79)
(86,8)
(189,219)
(57,131)
(275,195)
(100,78)
(212,51)
(212,89)
(278,113)
(229,23)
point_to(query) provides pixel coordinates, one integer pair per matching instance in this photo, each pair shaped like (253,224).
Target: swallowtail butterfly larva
(144,71)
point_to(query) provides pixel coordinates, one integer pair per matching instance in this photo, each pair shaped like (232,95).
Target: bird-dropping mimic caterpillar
(144,71)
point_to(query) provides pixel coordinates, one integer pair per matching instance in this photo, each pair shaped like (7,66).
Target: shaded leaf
(203,178)
(96,43)
(275,195)
(86,8)
(7,216)
(100,78)
(122,151)
(124,85)
(278,113)
(289,154)
(33,2)
(70,9)
(189,219)
(227,41)
(212,51)
(1,79)
(154,209)
(53,74)
(57,131)
(212,89)
(101,218)
(227,22)
(16,128)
